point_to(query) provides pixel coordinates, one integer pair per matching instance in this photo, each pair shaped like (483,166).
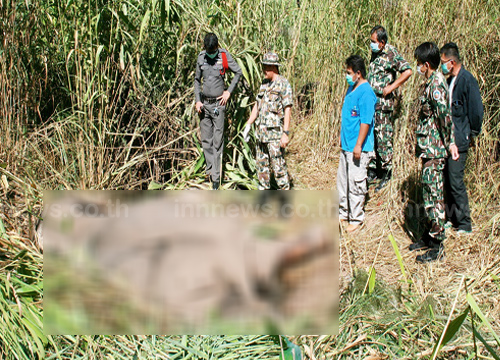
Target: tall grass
(99,95)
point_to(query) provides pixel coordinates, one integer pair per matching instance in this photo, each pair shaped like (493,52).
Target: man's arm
(367,112)
(253,114)
(474,107)
(197,87)
(197,82)
(235,68)
(286,126)
(405,75)
(363,131)
(442,110)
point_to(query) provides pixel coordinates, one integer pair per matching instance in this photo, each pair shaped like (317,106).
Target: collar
(383,51)
(460,72)
(431,78)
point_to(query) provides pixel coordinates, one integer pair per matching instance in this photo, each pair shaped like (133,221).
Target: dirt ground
(476,257)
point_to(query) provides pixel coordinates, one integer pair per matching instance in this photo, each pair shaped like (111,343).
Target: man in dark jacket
(467,114)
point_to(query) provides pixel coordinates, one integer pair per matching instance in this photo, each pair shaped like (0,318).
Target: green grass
(99,95)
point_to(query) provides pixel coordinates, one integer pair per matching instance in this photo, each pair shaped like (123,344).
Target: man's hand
(199,107)
(284,140)
(454,152)
(246,132)
(387,90)
(357,152)
(224,97)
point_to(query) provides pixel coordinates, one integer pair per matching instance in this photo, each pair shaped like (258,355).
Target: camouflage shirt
(382,72)
(435,126)
(272,99)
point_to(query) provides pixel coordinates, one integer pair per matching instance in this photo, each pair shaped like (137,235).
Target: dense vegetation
(99,95)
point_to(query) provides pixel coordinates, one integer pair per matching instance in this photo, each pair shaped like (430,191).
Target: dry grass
(475,256)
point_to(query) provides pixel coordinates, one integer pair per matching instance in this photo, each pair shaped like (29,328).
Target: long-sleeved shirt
(384,67)
(466,108)
(210,71)
(435,127)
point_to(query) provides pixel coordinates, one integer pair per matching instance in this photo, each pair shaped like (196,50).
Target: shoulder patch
(436,95)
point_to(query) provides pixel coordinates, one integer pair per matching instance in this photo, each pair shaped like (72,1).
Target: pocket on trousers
(360,187)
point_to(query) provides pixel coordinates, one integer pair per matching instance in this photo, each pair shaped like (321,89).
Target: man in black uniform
(467,114)
(211,103)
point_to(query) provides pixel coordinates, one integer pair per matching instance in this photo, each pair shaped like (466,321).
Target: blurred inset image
(190,262)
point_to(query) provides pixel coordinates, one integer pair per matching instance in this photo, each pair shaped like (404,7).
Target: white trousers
(352,187)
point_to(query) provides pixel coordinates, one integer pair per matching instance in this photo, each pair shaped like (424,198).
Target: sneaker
(448,225)
(464,232)
(432,254)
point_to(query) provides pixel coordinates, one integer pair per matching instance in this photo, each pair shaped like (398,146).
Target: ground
(476,257)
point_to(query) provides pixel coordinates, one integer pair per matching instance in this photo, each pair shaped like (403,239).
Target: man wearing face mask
(385,63)
(211,103)
(272,111)
(435,142)
(357,143)
(467,114)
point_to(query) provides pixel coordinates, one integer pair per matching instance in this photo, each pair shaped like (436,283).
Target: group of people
(271,113)
(449,118)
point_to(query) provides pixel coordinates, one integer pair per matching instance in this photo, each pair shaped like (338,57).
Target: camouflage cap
(271,58)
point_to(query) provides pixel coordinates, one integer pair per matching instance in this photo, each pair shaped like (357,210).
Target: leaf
(486,345)
(479,313)
(154,186)
(122,60)
(371,280)
(244,102)
(144,24)
(3,233)
(451,330)
(290,351)
(398,255)
(243,70)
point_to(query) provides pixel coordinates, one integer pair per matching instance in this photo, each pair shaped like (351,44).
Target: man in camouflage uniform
(385,63)
(272,113)
(211,102)
(435,142)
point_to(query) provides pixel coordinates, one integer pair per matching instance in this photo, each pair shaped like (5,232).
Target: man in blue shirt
(356,140)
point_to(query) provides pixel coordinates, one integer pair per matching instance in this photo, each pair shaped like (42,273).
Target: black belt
(210,100)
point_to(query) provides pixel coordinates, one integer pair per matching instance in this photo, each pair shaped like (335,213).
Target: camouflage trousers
(269,155)
(433,193)
(384,132)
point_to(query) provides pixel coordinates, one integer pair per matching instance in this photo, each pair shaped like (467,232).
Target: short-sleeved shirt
(358,108)
(382,72)
(272,99)
(435,126)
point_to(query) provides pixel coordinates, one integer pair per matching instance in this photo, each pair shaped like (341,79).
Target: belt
(210,100)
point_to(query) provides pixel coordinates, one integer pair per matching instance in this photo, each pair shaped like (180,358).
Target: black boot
(215,184)
(433,254)
(387,174)
(423,243)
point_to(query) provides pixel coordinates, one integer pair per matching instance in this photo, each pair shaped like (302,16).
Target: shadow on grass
(414,211)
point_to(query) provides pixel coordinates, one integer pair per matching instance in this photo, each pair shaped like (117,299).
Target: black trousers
(457,201)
